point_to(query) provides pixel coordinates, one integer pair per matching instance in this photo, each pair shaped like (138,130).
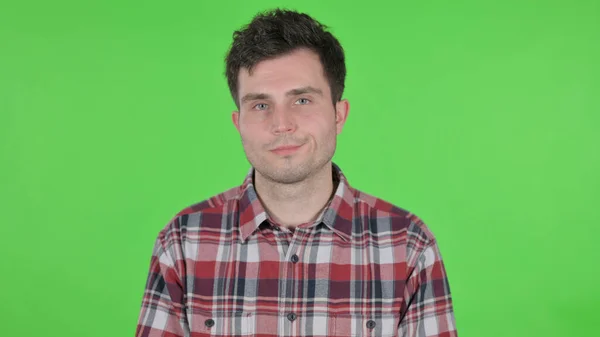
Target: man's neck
(294,204)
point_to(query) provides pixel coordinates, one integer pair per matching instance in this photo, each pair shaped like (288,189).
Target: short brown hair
(278,32)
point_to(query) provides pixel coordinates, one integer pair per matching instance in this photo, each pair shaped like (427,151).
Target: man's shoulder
(214,206)
(378,204)
(214,203)
(398,218)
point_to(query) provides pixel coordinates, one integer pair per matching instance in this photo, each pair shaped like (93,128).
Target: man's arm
(163,311)
(429,312)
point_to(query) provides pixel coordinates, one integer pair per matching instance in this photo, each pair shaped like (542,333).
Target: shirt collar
(337,215)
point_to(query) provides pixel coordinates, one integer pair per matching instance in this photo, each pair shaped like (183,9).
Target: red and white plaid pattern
(222,267)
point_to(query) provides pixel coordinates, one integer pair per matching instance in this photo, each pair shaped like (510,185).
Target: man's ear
(342,109)
(235,118)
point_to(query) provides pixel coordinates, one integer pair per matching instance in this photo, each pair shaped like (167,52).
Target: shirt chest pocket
(204,324)
(380,325)
(220,324)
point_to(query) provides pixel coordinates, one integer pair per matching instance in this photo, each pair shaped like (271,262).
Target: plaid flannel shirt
(222,267)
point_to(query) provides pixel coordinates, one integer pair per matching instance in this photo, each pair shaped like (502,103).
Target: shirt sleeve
(163,311)
(429,312)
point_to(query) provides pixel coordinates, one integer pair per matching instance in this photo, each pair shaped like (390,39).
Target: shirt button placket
(291,317)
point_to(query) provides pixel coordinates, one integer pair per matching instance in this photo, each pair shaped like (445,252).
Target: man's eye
(303,101)
(260,106)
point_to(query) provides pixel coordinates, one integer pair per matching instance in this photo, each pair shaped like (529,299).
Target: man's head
(286,75)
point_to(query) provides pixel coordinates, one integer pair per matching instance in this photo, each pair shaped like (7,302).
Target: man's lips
(286,149)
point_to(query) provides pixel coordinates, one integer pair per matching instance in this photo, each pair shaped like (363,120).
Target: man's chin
(283,174)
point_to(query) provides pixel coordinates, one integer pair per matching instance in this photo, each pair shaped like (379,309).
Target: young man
(294,250)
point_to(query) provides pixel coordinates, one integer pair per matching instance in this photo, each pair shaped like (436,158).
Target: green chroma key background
(480,117)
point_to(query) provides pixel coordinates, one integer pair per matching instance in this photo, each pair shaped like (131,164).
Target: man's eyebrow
(294,92)
(304,90)
(254,96)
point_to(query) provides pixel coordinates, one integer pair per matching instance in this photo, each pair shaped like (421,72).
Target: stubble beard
(290,169)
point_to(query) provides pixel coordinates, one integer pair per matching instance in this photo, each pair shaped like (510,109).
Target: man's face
(287,121)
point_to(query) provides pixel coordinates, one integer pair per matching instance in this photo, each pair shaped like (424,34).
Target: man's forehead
(281,80)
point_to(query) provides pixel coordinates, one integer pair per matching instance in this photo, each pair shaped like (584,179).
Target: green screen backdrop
(482,117)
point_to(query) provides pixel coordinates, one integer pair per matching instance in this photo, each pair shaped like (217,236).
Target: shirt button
(291,316)
(371,324)
(295,258)
(209,323)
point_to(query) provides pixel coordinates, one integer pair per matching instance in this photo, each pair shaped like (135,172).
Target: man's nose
(283,121)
